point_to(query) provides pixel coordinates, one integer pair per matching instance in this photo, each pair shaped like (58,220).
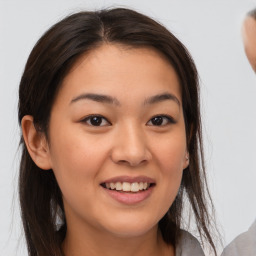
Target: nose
(130,147)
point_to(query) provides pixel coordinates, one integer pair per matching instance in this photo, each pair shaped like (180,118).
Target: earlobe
(36,143)
(186,161)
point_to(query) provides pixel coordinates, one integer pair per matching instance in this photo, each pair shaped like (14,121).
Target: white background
(211,31)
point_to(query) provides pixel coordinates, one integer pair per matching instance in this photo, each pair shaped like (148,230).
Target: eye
(161,120)
(96,120)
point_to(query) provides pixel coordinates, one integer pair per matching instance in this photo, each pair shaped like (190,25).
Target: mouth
(129,190)
(127,187)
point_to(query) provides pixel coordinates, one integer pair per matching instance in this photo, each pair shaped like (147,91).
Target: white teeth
(112,185)
(135,187)
(119,186)
(127,186)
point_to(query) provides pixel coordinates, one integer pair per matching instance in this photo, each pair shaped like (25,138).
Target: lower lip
(129,198)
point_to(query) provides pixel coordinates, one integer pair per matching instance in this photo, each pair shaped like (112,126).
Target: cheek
(171,157)
(170,153)
(76,165)
(76,152)
(76,160)
(172,161)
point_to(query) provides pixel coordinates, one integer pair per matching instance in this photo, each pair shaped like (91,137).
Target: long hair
(49,62)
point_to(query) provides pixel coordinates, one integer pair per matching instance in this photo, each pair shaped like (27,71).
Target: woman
(111,144)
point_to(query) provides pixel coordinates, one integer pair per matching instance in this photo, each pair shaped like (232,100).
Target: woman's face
(117,142)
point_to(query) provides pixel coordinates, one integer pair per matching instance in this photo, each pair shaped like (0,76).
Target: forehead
(108,54)
(111,68)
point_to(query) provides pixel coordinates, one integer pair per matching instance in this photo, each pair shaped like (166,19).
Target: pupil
(157,120)
(96,120)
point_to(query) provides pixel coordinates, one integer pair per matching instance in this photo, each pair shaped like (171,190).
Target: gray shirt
(188,246)
(243,245)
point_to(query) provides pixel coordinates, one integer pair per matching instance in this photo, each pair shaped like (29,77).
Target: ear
(36,143)
(186,160)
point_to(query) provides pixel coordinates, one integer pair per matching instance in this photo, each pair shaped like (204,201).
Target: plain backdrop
(211,31)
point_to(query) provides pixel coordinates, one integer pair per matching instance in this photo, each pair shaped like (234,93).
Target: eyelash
(88,120)
(167,118)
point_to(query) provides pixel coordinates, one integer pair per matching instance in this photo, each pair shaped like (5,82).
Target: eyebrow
(161,97)
(111,100)
(96,97)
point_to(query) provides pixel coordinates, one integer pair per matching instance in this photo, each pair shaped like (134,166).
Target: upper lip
(129,179)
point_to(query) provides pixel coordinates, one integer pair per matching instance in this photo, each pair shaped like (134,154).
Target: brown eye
(96,120)
(160,120)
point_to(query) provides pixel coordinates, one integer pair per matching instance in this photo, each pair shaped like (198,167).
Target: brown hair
(49,62)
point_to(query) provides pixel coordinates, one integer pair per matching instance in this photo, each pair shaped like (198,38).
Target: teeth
(127,186)
(135,187)
(119,186)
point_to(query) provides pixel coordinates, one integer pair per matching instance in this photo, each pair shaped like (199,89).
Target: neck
(98,243)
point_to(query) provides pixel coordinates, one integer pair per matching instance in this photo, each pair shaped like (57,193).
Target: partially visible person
(245,243)
(249,37)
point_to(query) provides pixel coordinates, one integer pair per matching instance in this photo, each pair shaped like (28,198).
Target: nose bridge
(131,145)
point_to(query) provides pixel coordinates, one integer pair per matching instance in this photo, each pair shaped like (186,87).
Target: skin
(83,156)
(249,40)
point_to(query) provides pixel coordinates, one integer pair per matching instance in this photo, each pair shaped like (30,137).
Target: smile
(127,186)
(129,190)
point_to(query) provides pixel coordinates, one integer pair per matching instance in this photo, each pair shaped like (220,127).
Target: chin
(128,228)
(131,233)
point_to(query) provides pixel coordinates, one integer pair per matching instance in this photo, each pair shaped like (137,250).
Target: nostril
(132,163)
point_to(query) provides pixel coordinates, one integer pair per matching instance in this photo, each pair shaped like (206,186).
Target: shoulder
(188,245)
(244,244)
